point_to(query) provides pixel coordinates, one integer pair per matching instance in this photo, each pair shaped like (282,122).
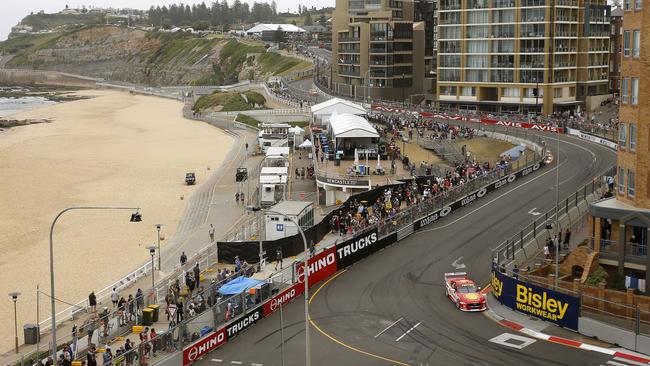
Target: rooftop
(292,207)
(273,27)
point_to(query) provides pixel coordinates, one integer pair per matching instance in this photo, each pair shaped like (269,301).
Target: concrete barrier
(611,334)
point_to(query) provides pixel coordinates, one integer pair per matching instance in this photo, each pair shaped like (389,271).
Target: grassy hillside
(26,42)
(153,58)
(51,21)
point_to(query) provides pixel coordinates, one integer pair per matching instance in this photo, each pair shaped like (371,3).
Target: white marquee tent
(350,132)
(322,111)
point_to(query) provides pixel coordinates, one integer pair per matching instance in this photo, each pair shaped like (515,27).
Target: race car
(463,292)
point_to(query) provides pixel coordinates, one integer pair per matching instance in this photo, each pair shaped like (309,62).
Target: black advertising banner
(361,246)
(245,321)
(437,215)
(542,303)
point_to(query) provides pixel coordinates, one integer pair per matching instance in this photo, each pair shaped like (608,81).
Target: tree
(308,20)
(322,20)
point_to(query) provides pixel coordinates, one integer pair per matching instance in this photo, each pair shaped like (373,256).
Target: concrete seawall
(44,77)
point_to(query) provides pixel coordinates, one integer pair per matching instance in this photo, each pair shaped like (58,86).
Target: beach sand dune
(115,149)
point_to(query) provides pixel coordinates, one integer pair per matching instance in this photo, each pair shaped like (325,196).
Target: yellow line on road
(338,341)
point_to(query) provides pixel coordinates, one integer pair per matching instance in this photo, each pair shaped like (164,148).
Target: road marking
(388,327)
(533,212)
(236,362)
(255,364)
(216,360)
(512,340)
(630,362)
(312,322)
(616,363)
(407,332)
(456,263)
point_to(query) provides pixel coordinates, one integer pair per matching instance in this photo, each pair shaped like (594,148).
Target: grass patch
(276,64)
(302,65)
(485,149)
(229,101)
(247,120)
(302,124)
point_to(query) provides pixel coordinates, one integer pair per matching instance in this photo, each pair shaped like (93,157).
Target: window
(510,92)
(630,183)
(637,4)
(624,87)
(632,136)
(628,4)
(621,180)
(447,90)
(636,50)
(468,91)
(557,93)
(622,135)
(635,91)
(626,43)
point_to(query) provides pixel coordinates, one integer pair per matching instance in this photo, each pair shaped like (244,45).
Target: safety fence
(530,240)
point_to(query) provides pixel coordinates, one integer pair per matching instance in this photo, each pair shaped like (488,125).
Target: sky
(14,11)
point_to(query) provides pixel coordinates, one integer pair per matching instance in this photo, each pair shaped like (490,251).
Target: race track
(390,308)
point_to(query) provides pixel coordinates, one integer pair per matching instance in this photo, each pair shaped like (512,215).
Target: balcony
(345,72)
(634,252)
(569,3)
(348,39)
(503,4)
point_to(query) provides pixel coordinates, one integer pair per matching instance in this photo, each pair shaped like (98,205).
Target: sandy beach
(115,149)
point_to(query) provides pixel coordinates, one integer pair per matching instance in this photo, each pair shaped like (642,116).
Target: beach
(115,149)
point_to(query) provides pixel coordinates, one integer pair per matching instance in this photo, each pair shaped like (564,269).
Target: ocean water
(10,105)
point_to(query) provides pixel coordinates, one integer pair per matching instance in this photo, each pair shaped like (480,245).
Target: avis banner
(445,211)
(524,125)
(542,303)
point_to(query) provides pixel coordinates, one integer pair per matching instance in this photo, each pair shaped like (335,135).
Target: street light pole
(52,291)
(14,297)
(557,207)
(158,226)
(152,252)
(306,277)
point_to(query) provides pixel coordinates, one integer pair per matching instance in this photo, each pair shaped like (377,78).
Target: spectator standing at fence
(556,241)
(567,238)
(211,233)
(241,197)
(90,325)
(278,257)
(153,338)
(91,356)
(114,297)
(130,307)
(183,259)
(139,300)
(179,311)
(197,275)
(121,308)
(108,355)
(92,302)
(515,272)
(237,197)
(237,264)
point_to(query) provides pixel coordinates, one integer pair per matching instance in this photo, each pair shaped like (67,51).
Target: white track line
(407,332)
(630,362)
(216,360)
(616,363)
(388,327)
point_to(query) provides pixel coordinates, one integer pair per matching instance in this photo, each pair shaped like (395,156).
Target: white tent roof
(296,130)
(277,151)
(350,125)
(273,27)
(271,170)
(306,143)
(337,105)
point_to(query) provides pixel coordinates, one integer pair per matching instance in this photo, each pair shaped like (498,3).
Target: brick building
(621,224)
(615,50)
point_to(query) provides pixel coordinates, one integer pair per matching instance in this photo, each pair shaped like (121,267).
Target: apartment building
(522,56)
(615,50)
(384,49)
(620,224)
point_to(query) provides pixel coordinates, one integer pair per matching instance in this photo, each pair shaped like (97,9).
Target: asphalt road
(405,282)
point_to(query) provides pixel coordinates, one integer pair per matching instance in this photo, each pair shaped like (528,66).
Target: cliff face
(153,58)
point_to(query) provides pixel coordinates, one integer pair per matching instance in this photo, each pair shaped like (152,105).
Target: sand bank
(115,149)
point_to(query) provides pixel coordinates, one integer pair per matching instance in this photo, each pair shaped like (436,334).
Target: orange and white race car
(463,292)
